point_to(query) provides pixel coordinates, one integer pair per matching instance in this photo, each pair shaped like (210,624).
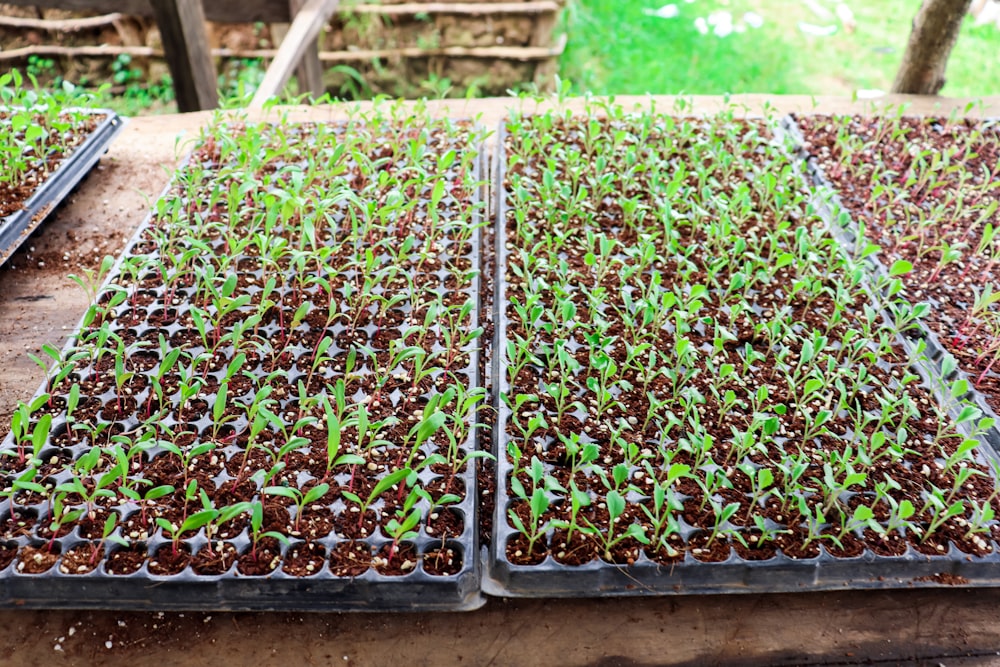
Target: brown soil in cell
(7,554)
(18,524)
(166,561)
(573,550)
(81,559)
(396,562)
(315,523)
(702,550)
(350,524)
(794,546)
(91,525)
(755,548)
(276,518)
(445,523)
(890,544)
(849,547)
(126,560)
(118,409)
(46,532)
(665,556)
(932,546)
(518,551)
(443,562)
(261,560)
(350,559)
(231,492)
(35,560)
(214,559)
(446,485)
(304,560)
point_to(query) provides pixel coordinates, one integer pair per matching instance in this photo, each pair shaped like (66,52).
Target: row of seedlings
(924,192)
(278,383)
(698,391)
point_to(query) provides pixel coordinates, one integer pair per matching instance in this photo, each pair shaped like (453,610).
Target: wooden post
(185,45)
(301,37)
(310,69)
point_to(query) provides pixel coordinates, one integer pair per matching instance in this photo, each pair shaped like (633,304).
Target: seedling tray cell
(16,227)
(271,403)
(739,472)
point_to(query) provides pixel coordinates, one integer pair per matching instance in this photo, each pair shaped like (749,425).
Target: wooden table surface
(40,304)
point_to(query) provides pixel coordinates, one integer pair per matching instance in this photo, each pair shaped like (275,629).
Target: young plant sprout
(383,485)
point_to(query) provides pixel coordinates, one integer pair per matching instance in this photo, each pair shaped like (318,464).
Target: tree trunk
(935,31)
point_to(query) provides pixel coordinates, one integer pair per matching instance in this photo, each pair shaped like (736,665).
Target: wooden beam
(59,25)
(501,52)
(523,53)
(301,36)
(185,43)
(310,69)
(219,11)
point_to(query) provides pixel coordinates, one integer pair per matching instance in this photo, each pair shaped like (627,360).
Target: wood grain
(185,47)
(301,37)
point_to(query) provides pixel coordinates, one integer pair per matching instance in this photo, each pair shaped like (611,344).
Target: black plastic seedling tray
(646,577)
(416,590)
(17,227)
(844,228)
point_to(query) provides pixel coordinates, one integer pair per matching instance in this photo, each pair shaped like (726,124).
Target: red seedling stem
(95,550)
(392,549)
(982,376)
(403,228)
(350,484)
(991,349)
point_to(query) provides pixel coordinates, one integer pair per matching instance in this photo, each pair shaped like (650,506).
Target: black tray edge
(17,227)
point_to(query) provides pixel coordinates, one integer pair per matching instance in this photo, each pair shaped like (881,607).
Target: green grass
(615,48)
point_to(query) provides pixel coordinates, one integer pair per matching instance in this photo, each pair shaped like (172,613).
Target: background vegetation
(622,46)
(664,47)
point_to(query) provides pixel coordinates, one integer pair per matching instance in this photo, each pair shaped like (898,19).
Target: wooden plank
(221,11)
(105,50)
(523,53)
(310,69)
(303,34)
(59,25)
(185,43)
